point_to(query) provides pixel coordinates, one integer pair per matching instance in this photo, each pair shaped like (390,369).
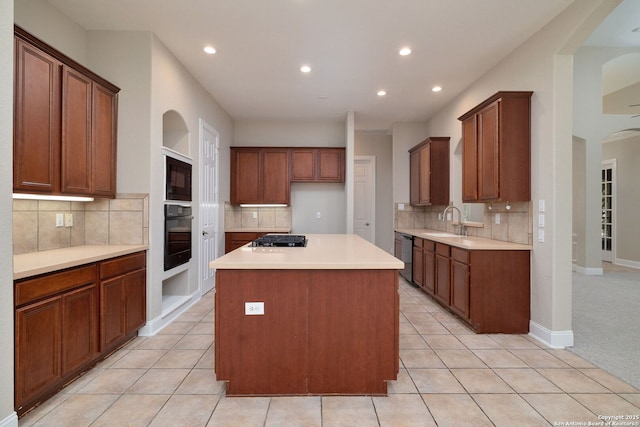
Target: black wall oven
(177,235)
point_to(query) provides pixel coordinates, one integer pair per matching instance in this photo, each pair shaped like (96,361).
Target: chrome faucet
(460,228)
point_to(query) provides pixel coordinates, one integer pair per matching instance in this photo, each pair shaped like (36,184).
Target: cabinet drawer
(122,265)
(460,255)
(418,243)
(34,289)
(442,249)
(429,245)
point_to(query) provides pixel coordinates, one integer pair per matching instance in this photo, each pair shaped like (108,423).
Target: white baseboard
(554,339)
(627,263)
(10,421)
(589,271)
(154,326)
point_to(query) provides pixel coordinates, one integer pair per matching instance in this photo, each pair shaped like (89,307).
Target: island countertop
(34,263)
(323,252)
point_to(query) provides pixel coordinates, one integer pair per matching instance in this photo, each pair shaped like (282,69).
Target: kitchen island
(320,319)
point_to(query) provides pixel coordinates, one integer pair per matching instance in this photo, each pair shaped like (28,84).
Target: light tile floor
(448,376)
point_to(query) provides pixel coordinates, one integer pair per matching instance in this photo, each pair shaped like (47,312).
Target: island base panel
(322,332)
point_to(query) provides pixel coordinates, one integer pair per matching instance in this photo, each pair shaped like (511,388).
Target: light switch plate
(254,308)
(497,218)
(59,220)
(541,220)
(540,205)
(541,236)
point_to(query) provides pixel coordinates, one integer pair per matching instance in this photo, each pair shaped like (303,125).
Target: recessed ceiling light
(405,51)
(382,93)
(436,89)
(210,50)
(305,69)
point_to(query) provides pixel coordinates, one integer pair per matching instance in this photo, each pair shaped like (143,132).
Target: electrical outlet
(254,214)
(318,215)
(400,206)
(59,220)
(68,220)
(254,308)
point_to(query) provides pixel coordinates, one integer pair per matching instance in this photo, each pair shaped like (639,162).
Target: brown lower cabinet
(58,322)
(488,289)
(235,239)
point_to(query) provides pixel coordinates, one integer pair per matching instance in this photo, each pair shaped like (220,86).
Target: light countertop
(323,252)
(34,263)
(257,230)
(464,242)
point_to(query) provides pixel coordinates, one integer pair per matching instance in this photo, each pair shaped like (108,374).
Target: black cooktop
(280,240)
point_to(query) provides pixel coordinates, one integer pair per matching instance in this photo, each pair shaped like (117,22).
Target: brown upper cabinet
(65,121)
(317,164)
(496,149)
(260,175)
(429,172)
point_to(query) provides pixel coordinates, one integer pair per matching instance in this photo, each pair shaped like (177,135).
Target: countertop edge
(36,263)
(465,242)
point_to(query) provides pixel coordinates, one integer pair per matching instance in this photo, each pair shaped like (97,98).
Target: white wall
(8,417)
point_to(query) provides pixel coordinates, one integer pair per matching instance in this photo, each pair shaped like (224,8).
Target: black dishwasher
(404,252)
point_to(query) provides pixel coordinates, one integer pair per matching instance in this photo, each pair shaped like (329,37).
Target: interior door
(608,210)
(210,234)
(364,197)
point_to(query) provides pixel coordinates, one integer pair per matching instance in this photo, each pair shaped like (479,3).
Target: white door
(608,209)
(209,229)
(364,190)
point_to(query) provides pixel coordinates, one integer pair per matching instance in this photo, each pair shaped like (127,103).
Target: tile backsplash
(515,223)
(123,220)
(236,217)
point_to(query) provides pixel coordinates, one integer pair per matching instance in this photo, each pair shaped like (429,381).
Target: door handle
(367,224)
(204,233)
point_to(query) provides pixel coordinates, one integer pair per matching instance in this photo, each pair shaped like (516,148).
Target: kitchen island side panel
(322,332)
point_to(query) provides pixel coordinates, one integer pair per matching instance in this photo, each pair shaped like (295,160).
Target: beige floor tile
(348,411)
(527,381)
(411,307)
(145,408)
(419,317)
(179,359)
(406,328)
(420,359)
(412,342)
(201,381)
(508,410)
(194,342)
(514,342)
(113,358)
(458,329)
(435,381)
(571,359)
(193,317)
(77,411)
(404,384)
(206,361)
(177,328)
(481,381)
(430,328)
(159,381)
(113,381)
(203,328)
(607,404)
(294,411)
(539,359)
(80,382)
(159,342)
(31,417)
(186,411)
(499,359)
(479,342)
(443,342)
(446,317)
(139,359)
(611,382)
(558,408)
(572,381)
(634,398)
(406,410)
(240,412)
(460,359)
(455,410)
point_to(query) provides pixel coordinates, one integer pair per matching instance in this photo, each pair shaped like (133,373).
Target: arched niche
(621,85)
(175,134)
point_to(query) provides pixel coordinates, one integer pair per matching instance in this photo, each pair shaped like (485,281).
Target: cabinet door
(245,176)
(275,176)
(36,150)
(112,312)
(38,348)
(331,165)
(414,178)
(303,165)
(103,135)
(425,174)
(460,288)
(76,132)
(79,327)
(443,274)
(418,265)
(488,153)
(135,300)
(429,271)
(469,160)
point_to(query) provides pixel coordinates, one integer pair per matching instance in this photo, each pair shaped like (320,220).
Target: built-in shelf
(175,292)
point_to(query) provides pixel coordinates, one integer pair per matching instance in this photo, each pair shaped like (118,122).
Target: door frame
(611,164)
(372,162)
(216,203)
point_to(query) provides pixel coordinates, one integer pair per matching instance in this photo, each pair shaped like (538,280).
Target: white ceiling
(351,45)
